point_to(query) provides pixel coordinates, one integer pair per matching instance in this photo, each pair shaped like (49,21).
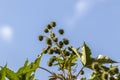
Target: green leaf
(26,63)
(105,60)
(76,52)
(26,71)
(73,59)
(59,60)
(86,52)
(83,79)
(11,75)
(72,64)
(3,73)
(32,77)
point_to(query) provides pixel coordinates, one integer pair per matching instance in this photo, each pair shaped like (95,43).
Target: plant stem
(47,70)
(79,72)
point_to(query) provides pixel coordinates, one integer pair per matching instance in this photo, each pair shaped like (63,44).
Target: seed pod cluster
(49,27)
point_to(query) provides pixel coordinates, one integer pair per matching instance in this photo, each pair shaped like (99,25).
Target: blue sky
(93,21)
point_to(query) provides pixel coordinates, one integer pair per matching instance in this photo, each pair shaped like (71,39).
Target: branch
(79,72)
(47,70)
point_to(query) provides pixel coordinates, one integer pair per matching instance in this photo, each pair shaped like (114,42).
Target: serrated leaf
(105,60)
(26,63)
(76,52)
(78,48)
(25,71)
(86,52)
(11,75)
(3,73)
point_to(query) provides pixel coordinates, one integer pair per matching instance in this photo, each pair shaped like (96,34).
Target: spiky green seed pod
(81,72)
(40,37)
(48,41)
(46,30)
(53,24)
(65,41)
(55,39)
(50,51)
(49,27)
(69,48)
(61,31)
(61,43)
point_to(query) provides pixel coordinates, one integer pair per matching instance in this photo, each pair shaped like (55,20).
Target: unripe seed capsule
(61,31)
(65,41)
(55,39)
(40,37)
(48,41)
(48,26)
(53,24)
(46,30)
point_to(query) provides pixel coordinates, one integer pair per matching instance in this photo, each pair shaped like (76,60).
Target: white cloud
(81,8)
(6,33)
